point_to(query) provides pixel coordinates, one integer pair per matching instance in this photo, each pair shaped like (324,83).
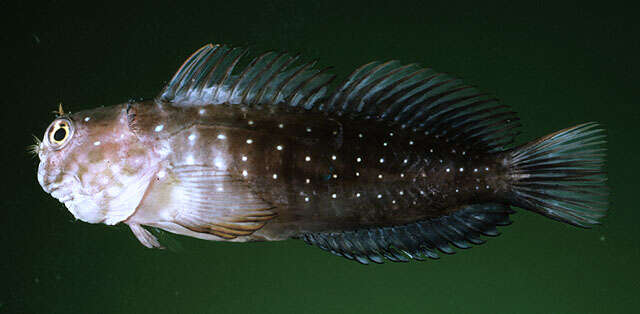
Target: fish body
(398,162)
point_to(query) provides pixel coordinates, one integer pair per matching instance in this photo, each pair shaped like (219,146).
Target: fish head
(94,163)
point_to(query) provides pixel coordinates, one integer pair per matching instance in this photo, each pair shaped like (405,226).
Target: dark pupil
(60,134)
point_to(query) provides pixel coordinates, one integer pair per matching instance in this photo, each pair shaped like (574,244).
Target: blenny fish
(397,162)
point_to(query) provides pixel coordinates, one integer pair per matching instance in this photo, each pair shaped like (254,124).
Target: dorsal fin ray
(403,96)
(209,77)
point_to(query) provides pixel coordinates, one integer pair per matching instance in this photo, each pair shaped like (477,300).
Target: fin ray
(207,78)
(217,203)
(404,96)
(560,175)
(417,240)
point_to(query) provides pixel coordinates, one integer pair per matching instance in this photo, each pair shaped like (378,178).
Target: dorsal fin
(208,76)
(404,96)
(417,240)
(419,99)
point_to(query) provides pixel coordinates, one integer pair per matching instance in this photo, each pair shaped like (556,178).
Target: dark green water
(557,65)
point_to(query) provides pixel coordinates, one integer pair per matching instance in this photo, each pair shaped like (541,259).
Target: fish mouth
(60,186)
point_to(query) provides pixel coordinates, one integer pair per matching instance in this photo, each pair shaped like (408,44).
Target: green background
(556,64)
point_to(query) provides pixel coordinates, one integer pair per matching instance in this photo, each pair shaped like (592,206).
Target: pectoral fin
(217,203)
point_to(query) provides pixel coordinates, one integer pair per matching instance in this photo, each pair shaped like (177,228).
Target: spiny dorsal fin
(209,77)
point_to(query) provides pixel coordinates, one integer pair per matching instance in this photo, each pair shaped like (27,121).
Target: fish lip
(51,187)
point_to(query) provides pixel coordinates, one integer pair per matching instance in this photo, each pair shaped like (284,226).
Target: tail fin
(561,176)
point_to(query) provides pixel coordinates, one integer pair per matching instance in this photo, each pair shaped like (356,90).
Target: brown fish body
(323,173)
(398,162)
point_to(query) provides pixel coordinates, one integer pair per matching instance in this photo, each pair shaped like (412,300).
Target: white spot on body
(357,194)
(461,169)
(244,158)
(281,125)
(379,176)
(335,176)
(202,111)
(159,128)
(250,122)
(358,159)
(306,199)
(86,119)
(410,142)
(308,181)
(279,147)
(334,195)
(379,195)
(192,137)
(222,137)
(219,163)
(447,170)
(245,173)
(96,143)
(307,158)
(249,141)
(381,160)
(333,157)
(275,176)
(357,174)
(308,130)
(385,144)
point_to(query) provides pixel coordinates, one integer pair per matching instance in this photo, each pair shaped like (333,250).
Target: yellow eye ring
(59,133)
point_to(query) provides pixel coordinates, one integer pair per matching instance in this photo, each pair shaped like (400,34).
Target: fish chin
(82,206)
(86,209)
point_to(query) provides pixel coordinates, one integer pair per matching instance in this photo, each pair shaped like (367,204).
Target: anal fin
(419,240)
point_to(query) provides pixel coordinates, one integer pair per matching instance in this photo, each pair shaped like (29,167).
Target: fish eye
(59,133)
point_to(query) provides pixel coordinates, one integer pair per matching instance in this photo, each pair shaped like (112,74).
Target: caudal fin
(561,175)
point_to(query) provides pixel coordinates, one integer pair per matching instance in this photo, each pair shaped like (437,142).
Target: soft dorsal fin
(419,99)
(404,96)
(208,76)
